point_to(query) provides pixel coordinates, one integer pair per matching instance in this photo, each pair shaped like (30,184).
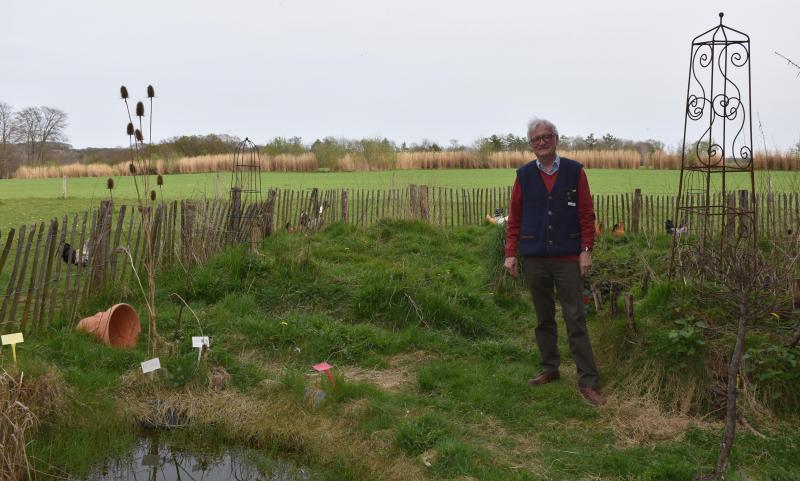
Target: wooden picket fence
(36,284)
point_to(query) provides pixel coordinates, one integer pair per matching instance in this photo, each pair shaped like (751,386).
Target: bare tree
(27,124)
(38,126)
(6,139)
(748,284)
(54,122)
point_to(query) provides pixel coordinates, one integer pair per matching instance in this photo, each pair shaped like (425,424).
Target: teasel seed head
(110,184)
(123,92)
(139,136)
(160,180)
(129,129)
(151,92)
(139,109)
(153,195)
(132,168)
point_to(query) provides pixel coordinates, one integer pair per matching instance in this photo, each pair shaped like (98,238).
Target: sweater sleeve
(586,216)
(514,220)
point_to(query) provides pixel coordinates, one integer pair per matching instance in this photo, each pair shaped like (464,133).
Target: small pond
(151,460)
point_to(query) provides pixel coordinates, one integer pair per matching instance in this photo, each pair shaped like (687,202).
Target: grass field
(28,200)
(431,352)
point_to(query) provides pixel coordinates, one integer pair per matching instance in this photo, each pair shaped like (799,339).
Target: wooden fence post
(613,295)
(269,212)
(235,216)
(313,204)
(745,222)
(796,293)
(423,202)
(6,249)
(629,312)
(636,211)
(345,207)
(412,200)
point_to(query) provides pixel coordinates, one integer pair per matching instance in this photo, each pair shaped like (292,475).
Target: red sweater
(585,214)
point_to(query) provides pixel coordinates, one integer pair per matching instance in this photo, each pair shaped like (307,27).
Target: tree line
(36,136)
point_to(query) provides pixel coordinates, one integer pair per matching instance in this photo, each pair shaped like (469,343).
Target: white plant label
(199,342)
(151,365)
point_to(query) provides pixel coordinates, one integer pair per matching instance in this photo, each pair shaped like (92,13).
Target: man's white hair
(536,123)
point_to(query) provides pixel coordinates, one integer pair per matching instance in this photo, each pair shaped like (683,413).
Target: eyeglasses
(542,138)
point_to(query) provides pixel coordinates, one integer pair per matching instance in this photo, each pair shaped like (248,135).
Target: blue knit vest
(550,225)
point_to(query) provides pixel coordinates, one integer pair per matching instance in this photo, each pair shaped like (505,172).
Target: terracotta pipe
(117,327)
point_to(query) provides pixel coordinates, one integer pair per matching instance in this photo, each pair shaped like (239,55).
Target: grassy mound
(431,348)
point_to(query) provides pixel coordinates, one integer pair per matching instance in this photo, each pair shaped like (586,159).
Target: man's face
(543,141)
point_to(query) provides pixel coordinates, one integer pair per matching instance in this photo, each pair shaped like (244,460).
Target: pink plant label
(323,366)
(326,368)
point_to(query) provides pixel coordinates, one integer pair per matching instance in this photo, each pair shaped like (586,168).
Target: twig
(190,310)
(136,273)
(749,427)
(789,61)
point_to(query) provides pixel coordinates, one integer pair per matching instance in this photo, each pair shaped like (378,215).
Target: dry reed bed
(460,159)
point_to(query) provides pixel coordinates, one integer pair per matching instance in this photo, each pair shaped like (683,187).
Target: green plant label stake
(13,339)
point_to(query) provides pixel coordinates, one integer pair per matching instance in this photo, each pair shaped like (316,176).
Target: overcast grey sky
(406,70)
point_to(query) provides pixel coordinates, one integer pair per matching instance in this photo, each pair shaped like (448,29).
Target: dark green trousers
(542,276)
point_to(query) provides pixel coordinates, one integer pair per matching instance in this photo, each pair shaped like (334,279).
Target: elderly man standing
(551,224)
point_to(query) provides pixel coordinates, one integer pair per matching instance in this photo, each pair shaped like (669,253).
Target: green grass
(363,298)
(602,181)
(39,200)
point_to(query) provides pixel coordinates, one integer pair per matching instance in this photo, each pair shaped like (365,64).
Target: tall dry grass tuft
(17,423)
(458,159)
(306,162)
(24,403)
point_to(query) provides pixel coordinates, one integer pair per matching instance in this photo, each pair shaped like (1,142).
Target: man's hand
(585,261)
(511,266)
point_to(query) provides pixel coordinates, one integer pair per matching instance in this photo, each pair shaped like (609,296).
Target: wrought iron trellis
(245,189)
(246,175)
(717,140)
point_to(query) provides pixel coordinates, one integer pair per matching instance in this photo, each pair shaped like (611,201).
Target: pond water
(151,460)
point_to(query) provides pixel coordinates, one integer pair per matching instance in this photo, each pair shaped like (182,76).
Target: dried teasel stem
(151,92)
(110,187)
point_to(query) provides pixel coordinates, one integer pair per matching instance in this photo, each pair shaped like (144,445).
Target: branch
(789,61)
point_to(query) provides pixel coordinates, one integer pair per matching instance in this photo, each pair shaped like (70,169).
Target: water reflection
(154,461)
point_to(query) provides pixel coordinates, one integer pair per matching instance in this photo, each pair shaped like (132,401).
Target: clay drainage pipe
(117,327)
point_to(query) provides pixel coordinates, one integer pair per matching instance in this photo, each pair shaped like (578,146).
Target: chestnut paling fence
(37,284)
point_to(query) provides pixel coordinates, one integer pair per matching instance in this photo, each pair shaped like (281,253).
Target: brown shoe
(544,377)
(592,396)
